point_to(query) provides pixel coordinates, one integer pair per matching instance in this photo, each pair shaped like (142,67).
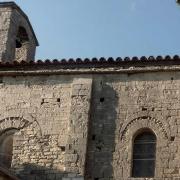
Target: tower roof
(13,5)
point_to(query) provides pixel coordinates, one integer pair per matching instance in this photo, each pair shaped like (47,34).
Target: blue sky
(104,28)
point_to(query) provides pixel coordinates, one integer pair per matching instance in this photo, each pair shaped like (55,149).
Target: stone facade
(54,145)
(73,125)
(79,119)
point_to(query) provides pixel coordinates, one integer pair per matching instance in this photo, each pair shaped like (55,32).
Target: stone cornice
(91,66)
(130,70)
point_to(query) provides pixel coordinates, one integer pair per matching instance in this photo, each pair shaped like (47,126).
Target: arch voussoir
(13,122)
(144,122)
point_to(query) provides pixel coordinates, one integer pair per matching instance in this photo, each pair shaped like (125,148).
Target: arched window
(22,45)
(144,154)
(6,147)
(21,37)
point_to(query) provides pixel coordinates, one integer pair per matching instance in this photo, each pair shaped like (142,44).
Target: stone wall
(121,106)
(4,30)
(38,107)
(78,120)
(50,114)
(74,126)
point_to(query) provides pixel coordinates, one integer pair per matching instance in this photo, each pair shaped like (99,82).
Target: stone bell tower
(17,38)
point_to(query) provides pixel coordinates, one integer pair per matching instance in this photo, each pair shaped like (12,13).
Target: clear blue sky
(108,28)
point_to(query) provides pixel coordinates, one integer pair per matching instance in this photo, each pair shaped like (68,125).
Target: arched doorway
(6,147)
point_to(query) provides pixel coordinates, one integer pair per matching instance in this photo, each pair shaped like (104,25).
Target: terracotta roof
(91,66)
(95,62)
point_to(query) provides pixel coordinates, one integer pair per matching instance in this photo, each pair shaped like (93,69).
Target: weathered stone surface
(82,125)
(64,134)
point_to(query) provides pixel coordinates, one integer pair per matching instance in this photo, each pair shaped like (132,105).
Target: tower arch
(18,40)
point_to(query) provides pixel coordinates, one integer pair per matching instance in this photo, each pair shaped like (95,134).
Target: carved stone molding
(144,122)
(13,122)
(19,123)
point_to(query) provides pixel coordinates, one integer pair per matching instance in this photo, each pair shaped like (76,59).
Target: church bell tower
(17,39)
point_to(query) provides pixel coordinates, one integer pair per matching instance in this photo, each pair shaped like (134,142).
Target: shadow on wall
(101,140)
(35,172)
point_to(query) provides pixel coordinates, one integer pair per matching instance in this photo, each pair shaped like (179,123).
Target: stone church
(90,119)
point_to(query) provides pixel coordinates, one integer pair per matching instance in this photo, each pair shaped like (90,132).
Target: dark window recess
(144,109)
(93,137)
(102,99)
(42,102)
(172,138)
(98,148)
(58,99)
(96,178)
(63,148)
(22,37)
(172,78)
(144,153)
(18,43)
(70,146)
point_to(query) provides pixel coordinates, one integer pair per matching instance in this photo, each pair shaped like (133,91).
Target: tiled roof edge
(95,61)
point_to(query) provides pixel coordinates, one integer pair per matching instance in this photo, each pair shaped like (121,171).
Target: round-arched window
(144,154)
(21,37)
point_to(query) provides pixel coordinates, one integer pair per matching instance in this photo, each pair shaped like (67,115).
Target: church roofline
(15,6)
(96,63)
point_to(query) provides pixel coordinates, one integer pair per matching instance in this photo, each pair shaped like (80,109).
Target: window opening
(21,37)
(6,147)
(144,152)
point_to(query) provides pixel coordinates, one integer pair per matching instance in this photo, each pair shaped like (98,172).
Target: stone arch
(141,131)
(144,122)
(23,44)
(124,148)
(20,123)
(144,154)
(13,122)
(14,132)
(21,37)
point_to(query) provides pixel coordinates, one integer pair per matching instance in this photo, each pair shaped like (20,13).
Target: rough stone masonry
(99,119)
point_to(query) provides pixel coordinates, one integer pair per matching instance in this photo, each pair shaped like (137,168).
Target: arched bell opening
(22,37)
(22,45)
